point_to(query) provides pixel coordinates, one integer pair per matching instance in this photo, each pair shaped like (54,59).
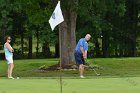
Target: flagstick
(55,20)
(60,48)
(60,64)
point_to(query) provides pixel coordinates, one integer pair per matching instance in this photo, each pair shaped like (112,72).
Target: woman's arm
(9,47)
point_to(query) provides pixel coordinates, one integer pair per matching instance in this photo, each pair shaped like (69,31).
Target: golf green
(94,85)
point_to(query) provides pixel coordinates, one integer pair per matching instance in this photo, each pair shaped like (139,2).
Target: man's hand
(85,55)
(83,52)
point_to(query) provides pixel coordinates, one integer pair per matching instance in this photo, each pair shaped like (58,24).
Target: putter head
(98,74)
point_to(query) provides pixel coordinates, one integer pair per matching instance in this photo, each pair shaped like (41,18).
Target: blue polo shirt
(82,42)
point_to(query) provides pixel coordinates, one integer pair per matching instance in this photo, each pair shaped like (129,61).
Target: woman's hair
(6,37)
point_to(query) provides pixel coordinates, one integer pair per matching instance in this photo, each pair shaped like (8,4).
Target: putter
(94,70)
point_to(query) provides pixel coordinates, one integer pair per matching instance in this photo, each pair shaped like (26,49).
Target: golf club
(93,69)
(96,72)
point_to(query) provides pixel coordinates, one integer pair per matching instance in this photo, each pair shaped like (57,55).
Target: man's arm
(83,52)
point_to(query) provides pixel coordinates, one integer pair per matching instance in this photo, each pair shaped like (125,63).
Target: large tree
(67,31)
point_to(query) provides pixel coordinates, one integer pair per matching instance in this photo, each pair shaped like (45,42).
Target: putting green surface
(92,85)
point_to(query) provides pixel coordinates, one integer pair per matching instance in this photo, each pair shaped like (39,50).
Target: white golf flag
(56,17)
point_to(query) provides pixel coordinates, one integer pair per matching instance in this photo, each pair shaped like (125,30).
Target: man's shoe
(82,77)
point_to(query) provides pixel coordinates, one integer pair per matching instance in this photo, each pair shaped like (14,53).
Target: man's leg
(81,70)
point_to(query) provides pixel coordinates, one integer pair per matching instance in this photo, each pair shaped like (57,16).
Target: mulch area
(57,67)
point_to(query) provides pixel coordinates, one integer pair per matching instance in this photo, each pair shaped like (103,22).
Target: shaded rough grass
(118,67)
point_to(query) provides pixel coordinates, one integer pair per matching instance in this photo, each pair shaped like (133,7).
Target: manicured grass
(95,85)
(118,75)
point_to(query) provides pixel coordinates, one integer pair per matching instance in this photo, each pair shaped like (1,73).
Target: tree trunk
(133,31)
(3,36)
(37,45)
(30,46)
(22,40)
(4,30)
(46,50)
(105,44)
(97,48)
(67,37)
(132,14)
(57,50)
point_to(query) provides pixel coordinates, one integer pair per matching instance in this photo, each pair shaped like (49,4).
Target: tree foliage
(113,24)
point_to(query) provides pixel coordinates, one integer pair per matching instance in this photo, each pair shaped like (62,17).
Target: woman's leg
(10,69)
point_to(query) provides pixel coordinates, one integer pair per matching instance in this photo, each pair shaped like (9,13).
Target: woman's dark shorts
(79,58)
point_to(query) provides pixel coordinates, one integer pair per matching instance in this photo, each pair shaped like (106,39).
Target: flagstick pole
(60,48)
(54,22)
(60,64)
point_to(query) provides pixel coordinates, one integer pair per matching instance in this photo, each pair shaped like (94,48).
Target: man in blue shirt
(80,53)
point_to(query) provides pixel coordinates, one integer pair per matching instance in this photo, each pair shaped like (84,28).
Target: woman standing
(9,56)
